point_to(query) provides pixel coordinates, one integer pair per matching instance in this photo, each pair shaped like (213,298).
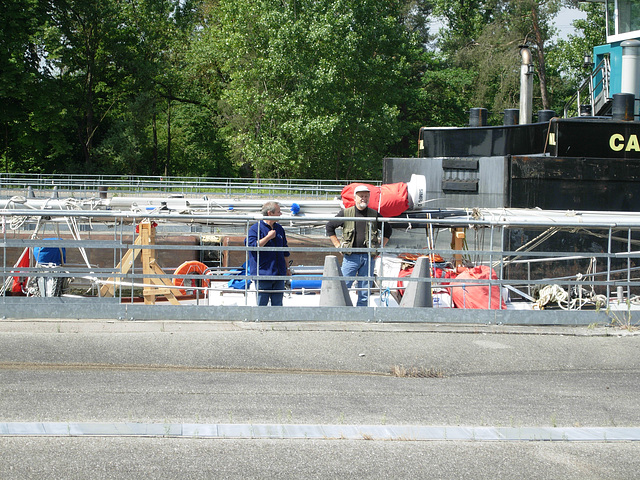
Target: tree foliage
(312,88)
(566,58)
(22,86)
(267,88)
(484,37)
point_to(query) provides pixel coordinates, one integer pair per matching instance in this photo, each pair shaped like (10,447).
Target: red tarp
(389,200)
(475,295)
(403,273)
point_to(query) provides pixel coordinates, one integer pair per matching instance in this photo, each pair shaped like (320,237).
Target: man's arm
(252,236)
(387,230)
(331,229)
(264,240)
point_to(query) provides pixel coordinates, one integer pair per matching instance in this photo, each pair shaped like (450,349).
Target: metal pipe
(526,85)
(630,82)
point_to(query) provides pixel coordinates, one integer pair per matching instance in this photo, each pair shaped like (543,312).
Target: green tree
(122,69)
(311,88)
(536,28)
(483,38)
(138,139)
(20,76)
(566,58)
(106,86)
(447,90)
(464,22)
(80,51)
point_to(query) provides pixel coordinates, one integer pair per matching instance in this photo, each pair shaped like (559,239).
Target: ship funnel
(526,85)
(631,69)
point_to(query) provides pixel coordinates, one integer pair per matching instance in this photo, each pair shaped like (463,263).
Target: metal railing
(597,88)
(609,276)
(94,185)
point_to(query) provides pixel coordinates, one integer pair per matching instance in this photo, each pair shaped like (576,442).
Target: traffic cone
(333,292)
(418,294)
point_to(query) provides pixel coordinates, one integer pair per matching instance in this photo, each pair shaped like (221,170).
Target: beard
(362,205)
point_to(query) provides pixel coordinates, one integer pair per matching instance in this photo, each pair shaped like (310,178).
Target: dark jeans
(266,290)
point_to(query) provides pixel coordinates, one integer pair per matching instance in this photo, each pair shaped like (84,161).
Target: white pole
(631,69)
(526,85)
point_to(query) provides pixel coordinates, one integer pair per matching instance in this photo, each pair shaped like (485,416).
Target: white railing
(595,88)
(609,276)
(93,185)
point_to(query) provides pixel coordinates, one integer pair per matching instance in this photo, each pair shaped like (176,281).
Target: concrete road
(157,458)
(335,375)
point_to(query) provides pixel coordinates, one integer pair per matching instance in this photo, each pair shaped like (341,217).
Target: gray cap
(361,188)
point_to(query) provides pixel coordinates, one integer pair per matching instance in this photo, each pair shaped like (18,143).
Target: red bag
(389,200)
(403,273)
(476,295)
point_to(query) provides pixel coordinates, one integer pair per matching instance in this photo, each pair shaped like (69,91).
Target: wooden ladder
(153,286)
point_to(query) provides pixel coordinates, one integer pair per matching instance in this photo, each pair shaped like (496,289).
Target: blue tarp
(239,283)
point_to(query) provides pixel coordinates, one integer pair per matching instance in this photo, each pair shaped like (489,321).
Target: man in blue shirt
(268,233)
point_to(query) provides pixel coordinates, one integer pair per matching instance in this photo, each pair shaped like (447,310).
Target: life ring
(191,267)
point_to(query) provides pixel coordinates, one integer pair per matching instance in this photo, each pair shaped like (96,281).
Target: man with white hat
(358,234)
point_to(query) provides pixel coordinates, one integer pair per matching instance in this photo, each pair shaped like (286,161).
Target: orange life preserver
(187,268)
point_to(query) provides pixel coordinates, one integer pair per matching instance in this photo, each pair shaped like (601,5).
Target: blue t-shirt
(271,262)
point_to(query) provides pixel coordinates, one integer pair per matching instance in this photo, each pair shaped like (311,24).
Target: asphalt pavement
(123,399)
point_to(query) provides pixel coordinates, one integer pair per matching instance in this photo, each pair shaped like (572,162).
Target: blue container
(56,255)
(307,283)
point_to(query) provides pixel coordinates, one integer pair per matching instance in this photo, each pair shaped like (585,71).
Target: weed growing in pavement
(623,319)
(416,372)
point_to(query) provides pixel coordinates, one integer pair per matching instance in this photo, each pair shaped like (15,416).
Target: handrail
(120,233)
(193,186)
(601,74)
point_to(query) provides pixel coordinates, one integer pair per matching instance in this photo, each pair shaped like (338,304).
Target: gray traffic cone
(418,294)
(333,292)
